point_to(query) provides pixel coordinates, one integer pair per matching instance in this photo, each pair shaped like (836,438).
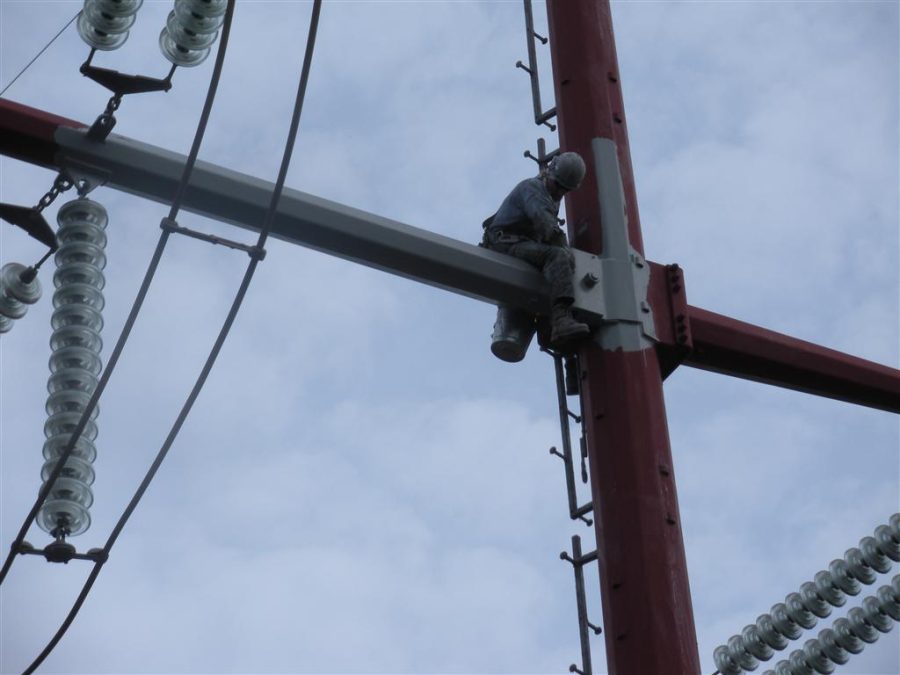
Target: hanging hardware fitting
(61,183)
(62,552)
(85,177)
(31,219)
(120,85)
(103,125)
(254,252)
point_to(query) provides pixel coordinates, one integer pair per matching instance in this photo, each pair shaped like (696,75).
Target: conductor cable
(223,333)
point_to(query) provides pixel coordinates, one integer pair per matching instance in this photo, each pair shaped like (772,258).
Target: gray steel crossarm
(320,224)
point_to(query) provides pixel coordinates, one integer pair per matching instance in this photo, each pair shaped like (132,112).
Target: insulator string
(787,620)
(74,365)
(136,305)
(18,290)
(105,24)
(223,333)
(847,636)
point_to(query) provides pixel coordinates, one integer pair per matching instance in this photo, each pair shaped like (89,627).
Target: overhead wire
(223,333)
(38,55)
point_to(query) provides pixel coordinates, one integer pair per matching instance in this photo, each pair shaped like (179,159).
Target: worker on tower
(526,226)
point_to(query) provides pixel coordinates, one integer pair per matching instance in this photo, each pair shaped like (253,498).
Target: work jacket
(528,212)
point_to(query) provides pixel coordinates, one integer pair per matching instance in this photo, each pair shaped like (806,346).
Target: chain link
(111,106)
(114,103)
(107,120)
(60,184)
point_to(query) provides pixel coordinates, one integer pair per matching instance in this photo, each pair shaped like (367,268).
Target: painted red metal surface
(698,338)
(589,79)
(27,133)
(647,611)
(668,300)
(725,345)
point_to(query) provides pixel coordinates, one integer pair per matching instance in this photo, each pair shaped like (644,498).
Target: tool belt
(495,238)
(499,239)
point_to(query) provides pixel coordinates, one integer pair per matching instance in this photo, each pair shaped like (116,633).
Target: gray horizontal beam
(313,222)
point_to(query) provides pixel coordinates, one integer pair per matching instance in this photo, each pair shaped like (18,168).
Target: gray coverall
(526,227)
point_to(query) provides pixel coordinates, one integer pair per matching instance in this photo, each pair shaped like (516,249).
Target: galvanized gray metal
(310,221)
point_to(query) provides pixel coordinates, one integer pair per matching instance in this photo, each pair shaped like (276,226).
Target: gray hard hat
(568,170)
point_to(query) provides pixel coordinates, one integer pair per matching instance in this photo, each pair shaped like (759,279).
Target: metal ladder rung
(576,512)
(540,116)
(578,560)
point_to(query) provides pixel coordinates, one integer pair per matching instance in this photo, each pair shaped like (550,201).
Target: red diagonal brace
(725,345)
(702,339)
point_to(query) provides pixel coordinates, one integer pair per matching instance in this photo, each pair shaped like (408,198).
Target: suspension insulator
(18,289)
(74,365)
(847,636)
(833,649)
(191,29)
(104,24)
(786,621)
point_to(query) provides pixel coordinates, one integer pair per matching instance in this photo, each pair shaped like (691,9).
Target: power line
(38,55)
(229,320)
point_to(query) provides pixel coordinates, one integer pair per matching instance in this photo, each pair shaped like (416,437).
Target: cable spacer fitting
(23,548)
(255,252)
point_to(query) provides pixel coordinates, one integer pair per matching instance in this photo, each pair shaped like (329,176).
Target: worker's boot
(565,328)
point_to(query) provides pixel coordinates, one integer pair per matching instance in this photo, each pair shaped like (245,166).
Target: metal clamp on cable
(169,225)
(98,555)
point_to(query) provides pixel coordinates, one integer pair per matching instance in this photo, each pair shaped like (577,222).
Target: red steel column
(647,613)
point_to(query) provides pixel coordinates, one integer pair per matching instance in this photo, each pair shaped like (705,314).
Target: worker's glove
(557,238)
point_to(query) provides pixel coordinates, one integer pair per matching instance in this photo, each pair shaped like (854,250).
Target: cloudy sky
(362,487)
